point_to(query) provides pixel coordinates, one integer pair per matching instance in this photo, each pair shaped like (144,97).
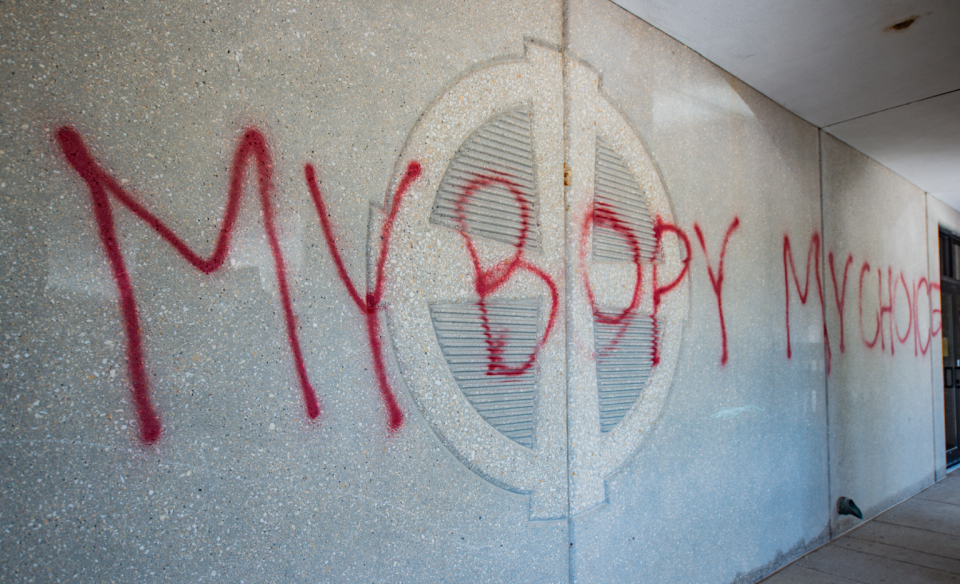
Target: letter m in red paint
(813,264)
(104,187)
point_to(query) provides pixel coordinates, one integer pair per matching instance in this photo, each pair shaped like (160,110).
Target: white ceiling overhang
(881,75)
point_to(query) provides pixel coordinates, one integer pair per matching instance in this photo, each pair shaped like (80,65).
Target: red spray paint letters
(865,269)
(660,228)
(488,281)
(716,280)
(102,187)
(841,294)
(813,257)
(885,326)
(369,303)
(606,216)
(935,315)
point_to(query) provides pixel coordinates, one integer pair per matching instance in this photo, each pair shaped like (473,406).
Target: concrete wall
(242,485)
(736,468)
(880,391)
(408,361)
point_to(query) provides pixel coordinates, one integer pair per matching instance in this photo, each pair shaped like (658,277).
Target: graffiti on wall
(494,192)
(487,281)
(883,320)
(537,322)
(879,327)
(605,215)
(103,188)
(370,303)
(466,264)
(716,279)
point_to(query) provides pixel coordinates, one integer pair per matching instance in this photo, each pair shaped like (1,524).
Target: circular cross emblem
(536,323)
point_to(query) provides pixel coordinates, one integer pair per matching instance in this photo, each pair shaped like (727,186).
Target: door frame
(949,247)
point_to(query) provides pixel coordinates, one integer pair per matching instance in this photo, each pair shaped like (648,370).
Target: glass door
(950,306)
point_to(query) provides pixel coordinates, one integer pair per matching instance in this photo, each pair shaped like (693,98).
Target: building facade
(441,292)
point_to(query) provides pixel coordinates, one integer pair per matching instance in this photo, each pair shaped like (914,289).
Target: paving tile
(916,541)
(931,515)
(909,538)
(900,554)
(946,491)
(861,567)
(799,575)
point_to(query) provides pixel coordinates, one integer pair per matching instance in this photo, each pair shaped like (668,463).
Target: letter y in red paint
(716,279)
(840,294)
(369,303)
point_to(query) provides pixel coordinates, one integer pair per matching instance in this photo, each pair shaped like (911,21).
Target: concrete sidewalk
(916,541)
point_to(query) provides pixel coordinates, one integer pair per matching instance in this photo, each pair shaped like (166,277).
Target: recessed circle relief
(524,313)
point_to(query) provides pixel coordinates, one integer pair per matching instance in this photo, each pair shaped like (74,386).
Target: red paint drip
(659,229)
(488,281)
(840,296)
(716,280)
(102,186)
(605,215)
(813,256)
(369,304)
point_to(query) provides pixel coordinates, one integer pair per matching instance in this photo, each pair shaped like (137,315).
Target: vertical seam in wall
(564,6)
(933,388)
(826,376)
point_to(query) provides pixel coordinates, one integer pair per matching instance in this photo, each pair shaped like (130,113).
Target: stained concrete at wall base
(718,473)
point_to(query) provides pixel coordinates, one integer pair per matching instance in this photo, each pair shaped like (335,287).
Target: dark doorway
(950,306)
